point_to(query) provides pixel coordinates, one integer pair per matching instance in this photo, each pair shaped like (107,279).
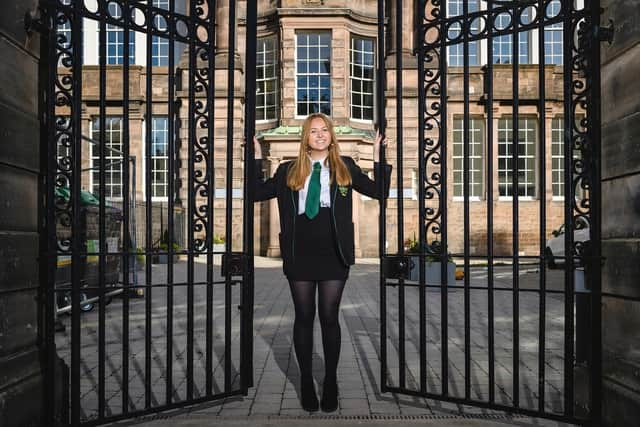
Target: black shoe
(309,399)
(329,401)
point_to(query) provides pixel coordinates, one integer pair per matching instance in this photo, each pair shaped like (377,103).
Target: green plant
(432,251)
(140,256)
(218,239)
(164,247)
(163,244)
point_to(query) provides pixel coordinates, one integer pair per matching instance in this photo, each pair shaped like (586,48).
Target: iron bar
(465,28)
(148,177)
(171,192)
(246,343)
(229,190)
(515,198)
(126,148)
(191,195)
(442,202)
(400,193)
(568,48)
(421,208)
(211,181)
(102,207)
(382,229)
(542,315)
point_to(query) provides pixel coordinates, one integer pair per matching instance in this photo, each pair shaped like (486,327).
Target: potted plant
(218,243)
(161,250)
(432,259)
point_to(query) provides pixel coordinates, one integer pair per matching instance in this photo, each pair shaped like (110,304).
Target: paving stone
(276,375)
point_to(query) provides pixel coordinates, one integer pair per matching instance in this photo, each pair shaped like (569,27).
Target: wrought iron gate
(141,126)
(507,150)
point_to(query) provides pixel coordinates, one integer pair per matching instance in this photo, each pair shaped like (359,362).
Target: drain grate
(381,417)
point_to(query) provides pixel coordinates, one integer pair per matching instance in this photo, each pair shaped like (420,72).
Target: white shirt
(325,188)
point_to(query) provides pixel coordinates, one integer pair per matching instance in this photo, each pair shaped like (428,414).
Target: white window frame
(552,31)
(155,198)
(473,156)
(118,58)
(557,141)
(160,60)
(361,79)
(529,129)
(267,64)
(457,5)
(524,39)
(296,74)
(109,157)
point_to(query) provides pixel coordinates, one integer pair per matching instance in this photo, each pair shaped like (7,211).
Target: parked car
(555,246)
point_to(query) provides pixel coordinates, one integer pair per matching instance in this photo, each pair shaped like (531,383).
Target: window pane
(267,79)
(313,72)
(362,77)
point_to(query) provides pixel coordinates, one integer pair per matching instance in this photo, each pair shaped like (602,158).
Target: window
(160,45)
(267,79)
(476,165)
(526,157)
(159,156)
(557,157)
(503,45)
(113,160)
(115,39)
(362,77)
(313,73)
(553,50)
(455,53)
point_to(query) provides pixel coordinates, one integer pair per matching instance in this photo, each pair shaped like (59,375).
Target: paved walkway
(274,398)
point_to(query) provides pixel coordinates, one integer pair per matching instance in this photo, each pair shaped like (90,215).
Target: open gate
(481,306)
(145,202)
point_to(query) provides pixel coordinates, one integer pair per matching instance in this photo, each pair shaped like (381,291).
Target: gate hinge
(605,34)
(34,21)
(397,266)
(235,264)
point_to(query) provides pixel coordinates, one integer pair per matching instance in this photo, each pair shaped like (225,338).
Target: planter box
(432,272)
(164,258)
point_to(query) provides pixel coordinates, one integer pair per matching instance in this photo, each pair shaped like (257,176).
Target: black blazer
(341,206)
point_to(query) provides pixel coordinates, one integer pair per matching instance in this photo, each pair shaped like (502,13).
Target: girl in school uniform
(314,194)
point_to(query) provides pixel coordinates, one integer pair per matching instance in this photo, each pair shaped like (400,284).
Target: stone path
(275,392)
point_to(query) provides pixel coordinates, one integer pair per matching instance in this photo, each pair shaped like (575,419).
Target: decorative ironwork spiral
(202,146)
(581,144)
(431,54)
(63,138)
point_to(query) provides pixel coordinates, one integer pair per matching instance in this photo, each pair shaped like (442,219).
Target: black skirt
(316,252)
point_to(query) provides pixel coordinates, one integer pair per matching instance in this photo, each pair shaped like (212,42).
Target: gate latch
(235,264)
(397,266)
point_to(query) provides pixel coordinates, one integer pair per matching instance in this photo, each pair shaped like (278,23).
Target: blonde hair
(301,167)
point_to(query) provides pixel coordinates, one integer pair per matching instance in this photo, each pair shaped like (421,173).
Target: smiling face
(319,138)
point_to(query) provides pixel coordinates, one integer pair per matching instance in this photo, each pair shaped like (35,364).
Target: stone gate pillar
(620,214)
(20,373)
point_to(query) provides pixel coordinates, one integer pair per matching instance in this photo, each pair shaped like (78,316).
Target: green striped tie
(312,205)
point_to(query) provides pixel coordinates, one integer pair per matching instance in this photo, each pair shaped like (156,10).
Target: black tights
(304,300)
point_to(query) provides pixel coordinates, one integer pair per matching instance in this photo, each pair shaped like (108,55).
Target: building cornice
(326,11)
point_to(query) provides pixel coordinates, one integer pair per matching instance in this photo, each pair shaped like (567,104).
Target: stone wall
(20,374)
(621,210)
